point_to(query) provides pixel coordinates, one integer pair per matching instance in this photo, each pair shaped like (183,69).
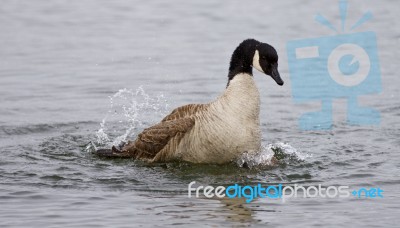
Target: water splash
(271,155)
(130,110)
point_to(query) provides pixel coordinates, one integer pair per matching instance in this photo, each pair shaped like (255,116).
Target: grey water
(76,75)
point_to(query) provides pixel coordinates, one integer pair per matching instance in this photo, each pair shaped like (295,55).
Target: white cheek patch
(256,62)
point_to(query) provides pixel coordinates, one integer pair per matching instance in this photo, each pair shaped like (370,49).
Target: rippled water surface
(77,75)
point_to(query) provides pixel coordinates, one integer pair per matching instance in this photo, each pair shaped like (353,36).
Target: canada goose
(217,132)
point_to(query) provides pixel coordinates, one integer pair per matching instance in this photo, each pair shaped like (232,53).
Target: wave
(10,130)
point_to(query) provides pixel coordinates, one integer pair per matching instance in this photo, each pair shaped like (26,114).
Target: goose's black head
(252,53)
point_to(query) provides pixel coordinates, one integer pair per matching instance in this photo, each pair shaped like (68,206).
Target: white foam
(264,157)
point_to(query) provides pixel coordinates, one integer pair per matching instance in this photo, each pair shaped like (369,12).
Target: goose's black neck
(242,58)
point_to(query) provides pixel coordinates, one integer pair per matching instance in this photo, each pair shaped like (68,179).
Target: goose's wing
(185,111)
(160,140)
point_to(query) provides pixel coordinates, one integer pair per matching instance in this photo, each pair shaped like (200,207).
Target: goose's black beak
(276,76)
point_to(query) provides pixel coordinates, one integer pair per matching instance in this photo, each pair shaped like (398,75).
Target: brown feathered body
(217,132)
